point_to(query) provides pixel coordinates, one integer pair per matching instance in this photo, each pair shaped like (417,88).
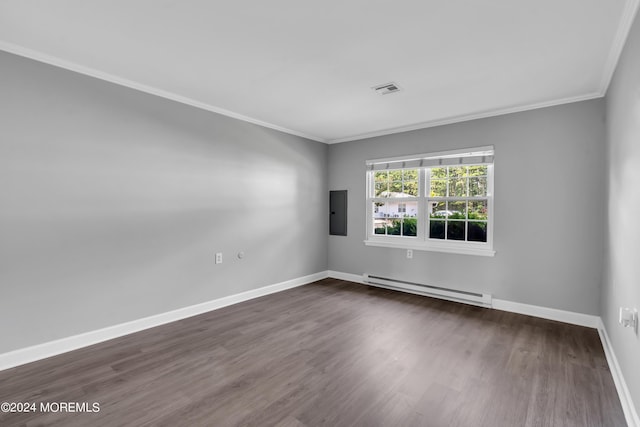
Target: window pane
(380,216)
(395,175)
(395,188)
(477,231)
(455,230)
(395,218)
(410,174)
(478,209)
(478,170)
(402,227)
(411,209)
(458,187)
(410,188)
(436,229)
(410,227)
(438,173)
(438,210)
(381,176)
(438,188)
(458,172)
(381,189)
(478,186)
(394,209)
(458,210)
(393,227)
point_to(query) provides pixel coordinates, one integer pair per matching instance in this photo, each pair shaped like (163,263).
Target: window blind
(475,156)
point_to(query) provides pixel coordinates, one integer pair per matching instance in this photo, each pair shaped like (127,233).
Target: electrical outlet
(628,317)
(218,257)
(409,253)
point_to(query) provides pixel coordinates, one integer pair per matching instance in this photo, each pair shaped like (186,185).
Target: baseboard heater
(473,298)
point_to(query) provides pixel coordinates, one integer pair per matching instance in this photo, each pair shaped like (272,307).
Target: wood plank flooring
(331,353)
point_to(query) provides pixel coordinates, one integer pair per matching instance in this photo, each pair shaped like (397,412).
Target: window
(438,201)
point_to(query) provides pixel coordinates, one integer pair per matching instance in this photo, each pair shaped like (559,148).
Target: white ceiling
(307,68)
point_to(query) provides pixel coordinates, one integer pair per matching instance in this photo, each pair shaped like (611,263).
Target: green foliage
(478,186)
(477,232)
(480,170)
(459,181)
(396,181)
(478,209)
(438,188)
(436,229)
(477,215)
(439,173)
(409,227)
(457,172)
(455,230)
(410,174)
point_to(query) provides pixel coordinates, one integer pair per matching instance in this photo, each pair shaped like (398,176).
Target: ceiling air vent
(386,88)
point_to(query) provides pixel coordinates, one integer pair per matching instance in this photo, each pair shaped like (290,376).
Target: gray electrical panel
(338,213)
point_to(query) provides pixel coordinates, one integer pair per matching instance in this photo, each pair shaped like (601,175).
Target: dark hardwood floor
(331,353)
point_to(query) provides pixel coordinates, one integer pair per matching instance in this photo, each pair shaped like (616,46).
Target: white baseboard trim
(580,319)
(630,413)
(571,317)
(345,276)
(63,345)
(53,348)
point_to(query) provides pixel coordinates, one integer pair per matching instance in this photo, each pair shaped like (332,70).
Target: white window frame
(422,240)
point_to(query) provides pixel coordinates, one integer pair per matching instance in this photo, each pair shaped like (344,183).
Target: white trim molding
(626,21)
(356,278)
(111,78)
(624,26)
(580,319)
(629,409)
(451,248)
(468,117)
(570,317)
(53,348)
(63,345)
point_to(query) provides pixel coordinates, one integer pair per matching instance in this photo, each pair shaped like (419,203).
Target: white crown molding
(466,118)
(629,409)
(71,66)
(63,345)
(626,21)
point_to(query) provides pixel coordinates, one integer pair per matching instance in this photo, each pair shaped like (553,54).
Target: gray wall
(113,203)
(621,287)
(549,210)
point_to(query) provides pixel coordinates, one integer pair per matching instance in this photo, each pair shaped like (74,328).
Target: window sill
(423,246)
